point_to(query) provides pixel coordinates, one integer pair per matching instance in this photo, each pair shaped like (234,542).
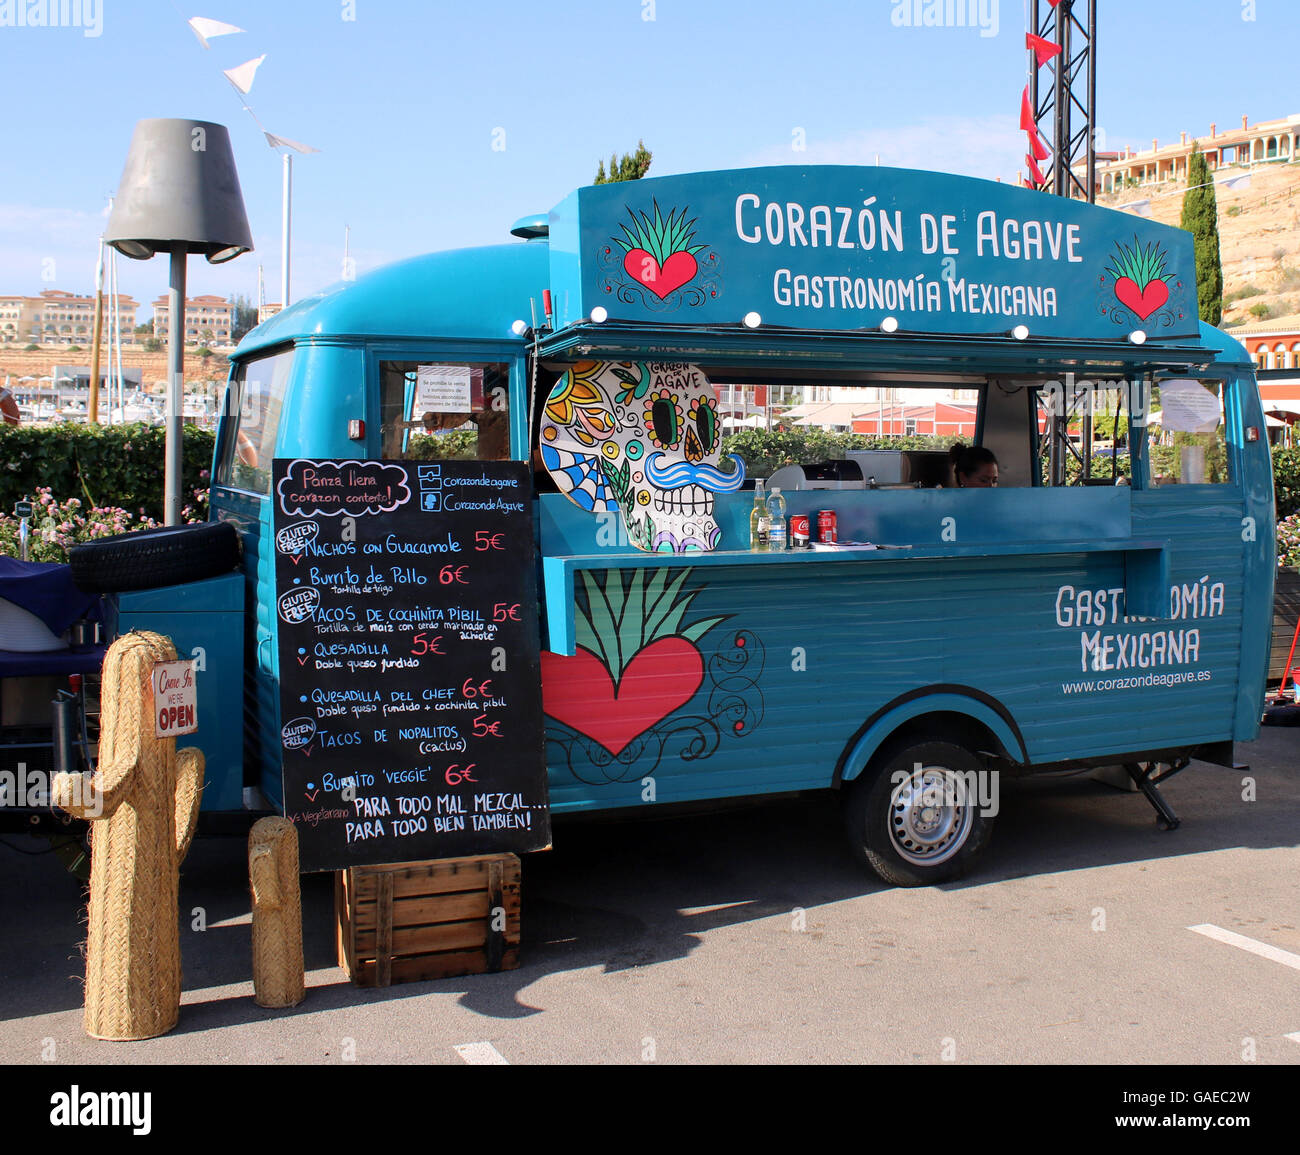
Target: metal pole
(1092,101)
(92,404)
(175,387)
(285,222)
(1061,135)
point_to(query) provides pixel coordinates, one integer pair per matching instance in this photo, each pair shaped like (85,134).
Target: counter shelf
(1146,570)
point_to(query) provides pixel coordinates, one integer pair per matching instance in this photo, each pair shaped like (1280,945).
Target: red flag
(1036,145)
(1044,50)
(1033,168)
(1026,113)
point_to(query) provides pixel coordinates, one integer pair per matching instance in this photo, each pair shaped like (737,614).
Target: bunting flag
(1044,50)
(206,29)
(284,142)
(1141,208)
(1035,170)
(1026,113)
(1036,145)
(1237,182)
(242,76)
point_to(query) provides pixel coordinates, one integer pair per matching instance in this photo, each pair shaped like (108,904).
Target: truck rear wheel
(914,816)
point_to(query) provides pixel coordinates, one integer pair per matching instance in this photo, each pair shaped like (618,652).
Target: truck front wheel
(915,816)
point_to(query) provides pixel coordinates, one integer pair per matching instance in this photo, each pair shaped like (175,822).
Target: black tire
(150,558)
(904,842)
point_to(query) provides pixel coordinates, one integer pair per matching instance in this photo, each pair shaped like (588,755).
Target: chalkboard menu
(410,684)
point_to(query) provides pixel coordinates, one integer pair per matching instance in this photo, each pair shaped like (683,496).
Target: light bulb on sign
(1021,332)
(599,315)
(889,325)
(752,320)
(519,328)
(1138,337)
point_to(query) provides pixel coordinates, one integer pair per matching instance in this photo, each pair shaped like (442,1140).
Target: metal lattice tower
(1064,92)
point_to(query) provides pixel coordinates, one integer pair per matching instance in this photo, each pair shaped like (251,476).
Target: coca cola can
(799,530)
(826,525)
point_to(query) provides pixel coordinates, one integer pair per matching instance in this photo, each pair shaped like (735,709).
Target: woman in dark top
(973,466)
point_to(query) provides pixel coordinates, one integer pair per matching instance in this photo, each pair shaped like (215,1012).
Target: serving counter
(909,528)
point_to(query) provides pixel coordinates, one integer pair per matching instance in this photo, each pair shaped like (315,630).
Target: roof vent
(531,228)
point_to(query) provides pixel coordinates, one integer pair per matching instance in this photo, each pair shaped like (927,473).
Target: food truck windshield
(643,351)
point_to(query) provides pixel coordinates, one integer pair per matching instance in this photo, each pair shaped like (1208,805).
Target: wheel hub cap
(930,815)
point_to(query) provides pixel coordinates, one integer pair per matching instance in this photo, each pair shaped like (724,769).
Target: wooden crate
(408,921)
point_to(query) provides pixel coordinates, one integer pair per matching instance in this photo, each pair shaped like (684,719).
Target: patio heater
(179,194)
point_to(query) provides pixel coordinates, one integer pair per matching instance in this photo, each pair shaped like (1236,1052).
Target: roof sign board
(842,248)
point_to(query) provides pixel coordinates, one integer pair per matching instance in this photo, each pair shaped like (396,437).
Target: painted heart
(660,279)
(1143,301)
(579,691)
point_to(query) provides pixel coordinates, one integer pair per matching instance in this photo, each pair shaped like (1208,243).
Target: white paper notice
(442,389)
(1188,407)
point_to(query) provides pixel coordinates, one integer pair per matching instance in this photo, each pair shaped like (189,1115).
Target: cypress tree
(633,166)
(1201,219)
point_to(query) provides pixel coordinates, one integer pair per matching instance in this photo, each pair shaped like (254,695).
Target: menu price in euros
(410,685)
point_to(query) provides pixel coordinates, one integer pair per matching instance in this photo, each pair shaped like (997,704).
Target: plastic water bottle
(760,521)
(777,534)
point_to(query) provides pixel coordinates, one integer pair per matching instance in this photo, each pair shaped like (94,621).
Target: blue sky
(439,124)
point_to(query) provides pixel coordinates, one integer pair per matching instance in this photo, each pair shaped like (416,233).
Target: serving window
(1138,432)
(254,399)
(444,409)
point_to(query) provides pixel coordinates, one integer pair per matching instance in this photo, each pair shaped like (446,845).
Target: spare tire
(150,558)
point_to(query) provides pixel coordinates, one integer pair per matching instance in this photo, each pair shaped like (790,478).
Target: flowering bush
(55,525)
(1288,540)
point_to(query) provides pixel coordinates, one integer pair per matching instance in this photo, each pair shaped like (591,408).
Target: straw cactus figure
(143,802)
(277,913)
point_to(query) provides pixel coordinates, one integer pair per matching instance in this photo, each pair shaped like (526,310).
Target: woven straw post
(143,802)
(277,914)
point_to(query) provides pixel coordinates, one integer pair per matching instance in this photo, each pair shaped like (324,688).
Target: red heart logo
(1143,301)
(579,692)
(660,279)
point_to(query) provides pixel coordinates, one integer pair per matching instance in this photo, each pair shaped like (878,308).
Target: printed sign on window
(175,699)
(443,389)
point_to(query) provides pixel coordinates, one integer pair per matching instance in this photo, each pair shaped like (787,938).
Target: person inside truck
(973,466)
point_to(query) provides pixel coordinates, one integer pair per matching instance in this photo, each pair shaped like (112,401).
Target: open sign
(175,699)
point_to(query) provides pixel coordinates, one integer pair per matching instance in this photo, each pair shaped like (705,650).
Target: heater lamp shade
(179,193)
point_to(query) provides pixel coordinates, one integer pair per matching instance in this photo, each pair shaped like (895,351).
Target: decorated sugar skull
(642,438)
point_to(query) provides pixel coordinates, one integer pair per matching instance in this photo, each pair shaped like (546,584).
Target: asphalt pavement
(1086,935)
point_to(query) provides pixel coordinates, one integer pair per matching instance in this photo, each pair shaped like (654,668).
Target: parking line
(481,1054)
(1263,949)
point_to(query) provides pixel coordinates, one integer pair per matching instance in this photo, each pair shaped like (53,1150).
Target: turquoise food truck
(1082,613)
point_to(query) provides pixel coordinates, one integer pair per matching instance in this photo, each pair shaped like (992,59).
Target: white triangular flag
(242,76)
(1237,182)
(284,142)
(206,29)
(1141,208)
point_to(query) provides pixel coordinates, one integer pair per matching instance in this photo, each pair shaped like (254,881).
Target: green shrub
(1233,210)
(1261,311)
(1286,481)
(458,444)
(101,465)
(764,453)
